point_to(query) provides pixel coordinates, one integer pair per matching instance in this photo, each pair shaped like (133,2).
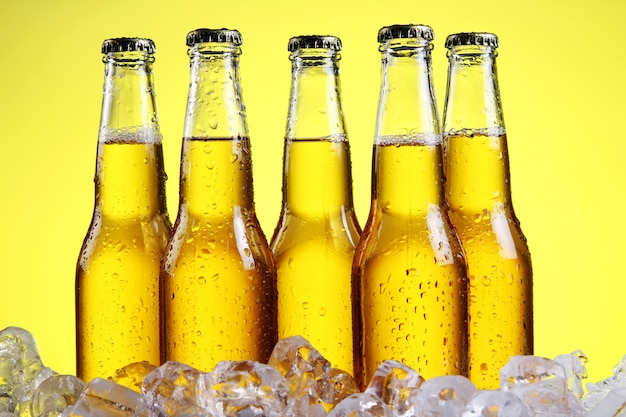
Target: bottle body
(409,261)
(313,249)
(218,276)
(478,191)
(411,268)
(117,295)
(314,241)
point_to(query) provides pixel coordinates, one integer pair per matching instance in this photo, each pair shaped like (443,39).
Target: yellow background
(562,77)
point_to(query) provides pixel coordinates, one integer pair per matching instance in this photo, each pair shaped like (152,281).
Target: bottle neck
(129,100)
(317,179)
(216,167)
(407,147)
(473,97)
(477,164)
(215,106)
(407,107)
(130,177)
(315,104)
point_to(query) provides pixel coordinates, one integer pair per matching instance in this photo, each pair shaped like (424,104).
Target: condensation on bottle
(218,278)
(117,274)
(317,232)
(409,262)
(478,191)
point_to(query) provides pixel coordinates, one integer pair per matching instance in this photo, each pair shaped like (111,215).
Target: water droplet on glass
(411,272)
(484,368)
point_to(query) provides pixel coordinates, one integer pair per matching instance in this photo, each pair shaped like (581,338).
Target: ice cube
(612,405)
(132,375)
(444,396)
(361,405)
(7,404)
(298,361)
(540,382)
(395,383)
(596,392)
(102,398)
(326,391)
(246,389)
(332,387)
(496,404)
(20,362)
(302,366)
(170,390)
(21,368)
(55,394)
(574,366)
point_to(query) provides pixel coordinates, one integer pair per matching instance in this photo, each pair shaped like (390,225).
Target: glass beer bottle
(409,260)
(218,276)
(479,193)
(117,274)
(314,241)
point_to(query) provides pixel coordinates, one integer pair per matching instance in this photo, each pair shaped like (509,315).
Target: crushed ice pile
(298,381)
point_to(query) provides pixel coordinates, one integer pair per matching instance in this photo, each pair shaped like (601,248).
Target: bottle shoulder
(238,241)
(341,229)
(430,233)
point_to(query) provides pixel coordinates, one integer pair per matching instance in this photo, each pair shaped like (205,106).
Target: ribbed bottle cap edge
(213,35)
(387,33)
(472,38)
(128,44)
(314,41)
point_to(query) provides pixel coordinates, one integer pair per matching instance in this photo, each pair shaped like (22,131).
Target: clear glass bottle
(117,274)
(409,260)
(218,278)
(314,241)
(479,193)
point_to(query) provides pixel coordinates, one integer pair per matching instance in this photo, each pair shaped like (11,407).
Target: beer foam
(132,134)
(409,139)
(486,131)
(336,138)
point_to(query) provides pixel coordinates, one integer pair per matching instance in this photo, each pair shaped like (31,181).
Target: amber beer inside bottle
(218,276)
(117,294)
(479,194)
(219,283)
(409,260)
